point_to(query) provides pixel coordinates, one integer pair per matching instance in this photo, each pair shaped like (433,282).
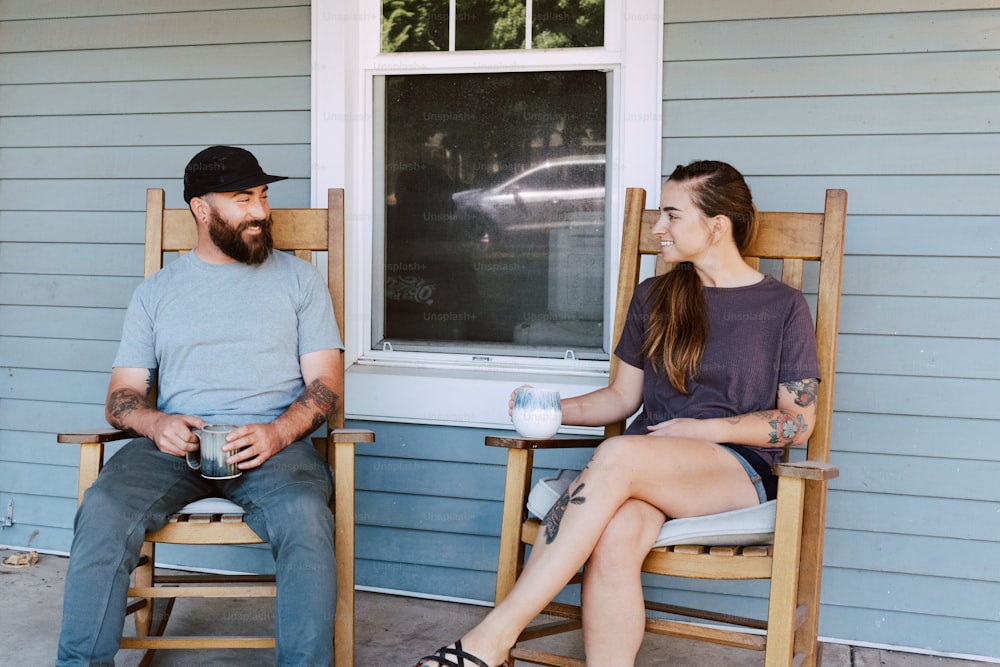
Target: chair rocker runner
(793,562)
(219,521)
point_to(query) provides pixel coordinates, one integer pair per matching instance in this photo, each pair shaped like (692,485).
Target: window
(494,217)
(470,25)
(460,372)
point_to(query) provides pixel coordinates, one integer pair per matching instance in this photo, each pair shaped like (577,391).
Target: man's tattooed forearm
(321,401)
(121,403)
(318,397)
(804,391)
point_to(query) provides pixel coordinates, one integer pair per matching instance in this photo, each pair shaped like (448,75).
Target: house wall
(897,105)
(101,100)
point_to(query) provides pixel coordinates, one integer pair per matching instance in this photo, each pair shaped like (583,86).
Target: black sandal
(441,657)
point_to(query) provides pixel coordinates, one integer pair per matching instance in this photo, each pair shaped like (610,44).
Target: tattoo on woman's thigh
(554,517)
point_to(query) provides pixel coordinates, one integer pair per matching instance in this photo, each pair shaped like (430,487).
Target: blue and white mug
(537,413)
(209,457)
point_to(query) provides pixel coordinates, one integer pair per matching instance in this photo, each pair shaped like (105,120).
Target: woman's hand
(682,427)
(513,397)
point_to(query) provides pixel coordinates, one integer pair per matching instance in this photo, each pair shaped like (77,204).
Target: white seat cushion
(738,528)
(211,506)
(743,527)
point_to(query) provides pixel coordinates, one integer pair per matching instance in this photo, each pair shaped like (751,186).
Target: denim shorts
(759,472)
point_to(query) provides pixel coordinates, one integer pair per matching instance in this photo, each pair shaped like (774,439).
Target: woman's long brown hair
(678,323)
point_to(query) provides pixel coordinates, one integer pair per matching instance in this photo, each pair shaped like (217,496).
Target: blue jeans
(286,502)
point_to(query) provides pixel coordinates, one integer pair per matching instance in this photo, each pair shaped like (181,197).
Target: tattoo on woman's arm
(554,517)
(804,391)
(786,428)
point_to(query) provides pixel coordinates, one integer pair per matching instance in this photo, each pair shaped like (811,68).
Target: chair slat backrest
(302,231)
(792,238)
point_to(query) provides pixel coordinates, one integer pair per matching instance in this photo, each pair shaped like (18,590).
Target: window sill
(469,397)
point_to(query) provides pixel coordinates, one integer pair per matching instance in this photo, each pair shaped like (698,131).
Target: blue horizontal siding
(100,103)
(849,113)
(897,106)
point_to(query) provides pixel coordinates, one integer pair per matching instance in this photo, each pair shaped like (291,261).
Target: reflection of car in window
(557,193)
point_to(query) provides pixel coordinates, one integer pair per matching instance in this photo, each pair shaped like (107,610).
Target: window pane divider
(452,24)
(528,18)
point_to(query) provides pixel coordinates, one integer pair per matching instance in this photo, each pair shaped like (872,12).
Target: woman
(723,362)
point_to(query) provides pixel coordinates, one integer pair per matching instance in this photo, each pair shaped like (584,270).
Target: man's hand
(172,433)
(253,444)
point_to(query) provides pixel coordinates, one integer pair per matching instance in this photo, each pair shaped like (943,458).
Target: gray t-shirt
(226,339)
(759,336)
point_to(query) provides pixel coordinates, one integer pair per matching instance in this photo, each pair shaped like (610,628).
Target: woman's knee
(616,455)
(607,452)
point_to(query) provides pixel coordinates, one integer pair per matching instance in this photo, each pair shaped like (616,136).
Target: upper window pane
(414,25)
(561,24)
(489,24)
(494,234)
(424,25)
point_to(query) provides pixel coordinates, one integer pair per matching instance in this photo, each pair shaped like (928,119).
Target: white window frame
(463,389)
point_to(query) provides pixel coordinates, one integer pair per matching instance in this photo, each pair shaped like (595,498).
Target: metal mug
(209,457)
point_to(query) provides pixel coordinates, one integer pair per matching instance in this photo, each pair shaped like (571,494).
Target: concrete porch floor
(392,631)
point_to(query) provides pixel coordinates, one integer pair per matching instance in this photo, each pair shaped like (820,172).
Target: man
(233,333)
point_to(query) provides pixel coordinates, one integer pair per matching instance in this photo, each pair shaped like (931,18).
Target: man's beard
(230,240)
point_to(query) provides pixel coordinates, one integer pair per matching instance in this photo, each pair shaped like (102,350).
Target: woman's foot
(452,656)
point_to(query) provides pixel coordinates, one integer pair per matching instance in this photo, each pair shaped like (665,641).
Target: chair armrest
(813,470)
(558,442)
(352,435)
(338,444)
(91,443)
(92,436)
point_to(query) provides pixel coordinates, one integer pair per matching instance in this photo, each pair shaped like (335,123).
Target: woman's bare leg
(614,613)
(679,476)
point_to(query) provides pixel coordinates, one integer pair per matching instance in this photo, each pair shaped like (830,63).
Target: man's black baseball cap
(223,169)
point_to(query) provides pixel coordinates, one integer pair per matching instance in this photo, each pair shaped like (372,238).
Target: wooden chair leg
(781,615)
(511,556)
(144,574)
(343,456)
(519,462)
(810,573)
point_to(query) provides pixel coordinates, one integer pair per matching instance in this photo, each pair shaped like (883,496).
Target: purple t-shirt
(759,336)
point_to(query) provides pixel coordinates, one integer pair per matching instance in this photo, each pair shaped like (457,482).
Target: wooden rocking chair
(303,231)
(793,563)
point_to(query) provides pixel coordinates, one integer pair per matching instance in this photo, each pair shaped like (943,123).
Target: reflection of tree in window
(422,25)
(414,25)
(560,24)
(489,24)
